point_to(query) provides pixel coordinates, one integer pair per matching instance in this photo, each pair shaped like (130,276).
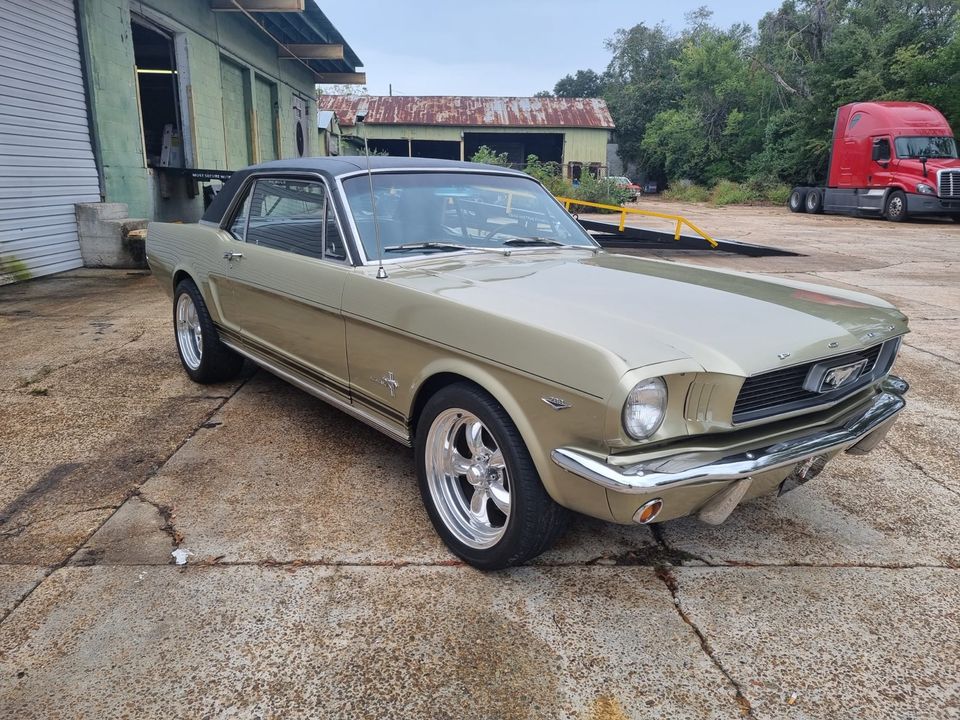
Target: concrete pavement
(315,586)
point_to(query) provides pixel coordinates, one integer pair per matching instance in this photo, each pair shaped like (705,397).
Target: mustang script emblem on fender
(823,378)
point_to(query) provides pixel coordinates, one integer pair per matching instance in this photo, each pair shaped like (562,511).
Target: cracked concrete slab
(16,581)
(91,455)
(48,344)
(98,419)
(849,642)
(934,381)
(280,475)
(138,533)
(866,510)
(268,628)
(920,439)
(355,642)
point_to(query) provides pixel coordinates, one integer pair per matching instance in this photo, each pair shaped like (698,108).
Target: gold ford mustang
(532,372)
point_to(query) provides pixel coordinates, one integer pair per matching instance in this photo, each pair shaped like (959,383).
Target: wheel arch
(449,371)
(179,275)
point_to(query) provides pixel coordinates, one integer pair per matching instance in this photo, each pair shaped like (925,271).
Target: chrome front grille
(950,183)
(782,391)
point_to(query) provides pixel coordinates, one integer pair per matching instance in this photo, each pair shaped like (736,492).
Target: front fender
(542,427)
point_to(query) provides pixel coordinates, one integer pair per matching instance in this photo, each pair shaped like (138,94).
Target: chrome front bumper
(856,433)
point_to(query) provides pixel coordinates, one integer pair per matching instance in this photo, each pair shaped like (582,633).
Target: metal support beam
(292,51)
(354,78)
(257,5)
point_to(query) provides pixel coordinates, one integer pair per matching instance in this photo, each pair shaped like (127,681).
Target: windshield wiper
(442,246)
(427,246)
(532,241)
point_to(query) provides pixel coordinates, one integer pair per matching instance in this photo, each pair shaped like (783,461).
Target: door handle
(232,256)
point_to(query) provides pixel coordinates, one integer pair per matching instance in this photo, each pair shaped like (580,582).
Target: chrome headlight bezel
(925,189)
(644,408)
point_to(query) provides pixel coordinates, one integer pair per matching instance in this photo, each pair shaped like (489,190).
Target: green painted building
(201,84)
(115,109)
(573,132)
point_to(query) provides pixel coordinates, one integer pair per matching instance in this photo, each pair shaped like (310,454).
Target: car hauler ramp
(621,235)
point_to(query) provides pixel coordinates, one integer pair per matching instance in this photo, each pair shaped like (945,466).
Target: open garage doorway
(548,147)
(394,148)
(158,92)
(439,149)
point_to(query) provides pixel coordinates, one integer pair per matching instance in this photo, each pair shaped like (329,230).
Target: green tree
(641,80)
(584,83)
(710,103)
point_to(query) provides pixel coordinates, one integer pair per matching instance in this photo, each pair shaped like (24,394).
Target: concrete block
(105,236)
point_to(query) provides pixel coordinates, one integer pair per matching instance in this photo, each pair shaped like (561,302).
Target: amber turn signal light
(648,511)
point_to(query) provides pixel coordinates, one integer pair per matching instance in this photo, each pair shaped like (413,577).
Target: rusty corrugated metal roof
(465,110)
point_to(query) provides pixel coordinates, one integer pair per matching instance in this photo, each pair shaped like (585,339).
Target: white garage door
(46,162)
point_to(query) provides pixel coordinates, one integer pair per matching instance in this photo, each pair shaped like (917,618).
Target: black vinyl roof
(333,167)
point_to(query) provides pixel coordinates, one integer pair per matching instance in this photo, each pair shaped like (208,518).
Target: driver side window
(291,215)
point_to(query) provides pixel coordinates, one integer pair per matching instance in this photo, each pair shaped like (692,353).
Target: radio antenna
(361,116)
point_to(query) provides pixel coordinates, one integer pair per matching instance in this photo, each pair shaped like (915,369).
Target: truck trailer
(889,159)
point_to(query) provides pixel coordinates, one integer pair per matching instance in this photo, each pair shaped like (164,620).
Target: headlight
(643,411)
(925,189)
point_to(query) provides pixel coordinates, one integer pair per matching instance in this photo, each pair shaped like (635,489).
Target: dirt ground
(315,586)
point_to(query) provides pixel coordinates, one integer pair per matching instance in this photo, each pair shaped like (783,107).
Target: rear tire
(797,198)
(204,357)
(814,201)
(479,484)
(896,208)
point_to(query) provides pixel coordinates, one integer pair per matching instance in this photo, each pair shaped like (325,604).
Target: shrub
(777,194)
(598,190)
(726,192)
(687,192)
(485,155)
(549,173)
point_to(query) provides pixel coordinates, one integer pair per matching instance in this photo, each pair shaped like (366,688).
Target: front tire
(478,483)
(204,357)
(896,207)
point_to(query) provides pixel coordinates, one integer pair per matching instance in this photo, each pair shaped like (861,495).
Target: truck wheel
(814,201)
(204,357)
(796,201)
(478,482)
(896,208)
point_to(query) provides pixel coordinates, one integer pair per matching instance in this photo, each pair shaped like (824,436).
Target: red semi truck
(889,159)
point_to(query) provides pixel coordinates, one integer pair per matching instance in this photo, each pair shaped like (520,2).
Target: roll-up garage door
(46,161)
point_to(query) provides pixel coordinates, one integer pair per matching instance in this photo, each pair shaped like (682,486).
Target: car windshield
(926,146)
(620,180)
(433,212)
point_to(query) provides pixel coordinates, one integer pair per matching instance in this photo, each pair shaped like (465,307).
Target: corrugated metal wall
(46,161)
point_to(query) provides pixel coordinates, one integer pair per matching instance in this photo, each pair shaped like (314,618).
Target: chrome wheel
(895,207)
(189,332)
(467,478)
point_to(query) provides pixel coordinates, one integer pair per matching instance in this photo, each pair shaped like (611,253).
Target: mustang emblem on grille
(824,378)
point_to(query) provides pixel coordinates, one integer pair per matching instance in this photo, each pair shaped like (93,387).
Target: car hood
(646,311)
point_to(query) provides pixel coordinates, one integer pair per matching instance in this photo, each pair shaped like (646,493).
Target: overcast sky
(500,47)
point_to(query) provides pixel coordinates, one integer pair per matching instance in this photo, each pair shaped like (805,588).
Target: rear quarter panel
(195,249)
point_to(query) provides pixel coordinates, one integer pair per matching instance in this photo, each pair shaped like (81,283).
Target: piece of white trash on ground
(180,555)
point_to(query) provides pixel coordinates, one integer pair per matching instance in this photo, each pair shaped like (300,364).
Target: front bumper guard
(857,433)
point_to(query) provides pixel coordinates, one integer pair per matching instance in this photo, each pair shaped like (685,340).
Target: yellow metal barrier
(679,220)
